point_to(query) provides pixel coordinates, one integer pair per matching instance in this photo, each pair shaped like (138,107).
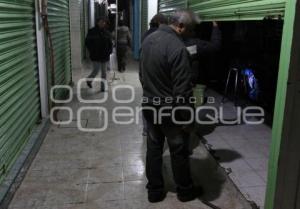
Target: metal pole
(117,23)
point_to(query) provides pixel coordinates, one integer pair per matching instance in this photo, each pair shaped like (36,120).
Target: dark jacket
(99,43)
(165,66)
(124,36)
(148,32)
(205,47)
(200,50)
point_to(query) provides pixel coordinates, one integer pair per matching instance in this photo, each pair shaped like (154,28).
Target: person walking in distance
(100,46)
(123,42)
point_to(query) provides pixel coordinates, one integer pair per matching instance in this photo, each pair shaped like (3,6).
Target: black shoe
(188,196)
(156,197)
(122,69)
(102,89)
(89,84)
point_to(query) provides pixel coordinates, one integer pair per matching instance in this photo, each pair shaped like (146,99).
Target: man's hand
(215,24)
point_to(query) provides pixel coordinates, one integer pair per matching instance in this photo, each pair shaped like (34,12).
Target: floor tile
(99,159)
(105,175)
(250,152)
(134,159)
(134,148)
(134,173)
(247,179)
(74,124)
(135,190)
(30,196)
(114,204)
(65,193)
(256,194)
(105,192)
(258,163)
(263,174)
(238,165)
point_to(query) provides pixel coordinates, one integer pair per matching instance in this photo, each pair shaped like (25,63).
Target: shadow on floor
(205,170)
(205,173)
(226,155)
(221,155)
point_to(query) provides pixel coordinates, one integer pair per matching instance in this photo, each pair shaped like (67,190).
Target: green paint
(229,10)
(19,92)
(59,24)
(169,6)
(280,101)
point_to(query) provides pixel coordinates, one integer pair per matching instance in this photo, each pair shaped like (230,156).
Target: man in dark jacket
(199,49)
(99,43)
(165,74)
(155,22)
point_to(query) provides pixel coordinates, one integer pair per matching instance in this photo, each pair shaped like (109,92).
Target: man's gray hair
(185,17)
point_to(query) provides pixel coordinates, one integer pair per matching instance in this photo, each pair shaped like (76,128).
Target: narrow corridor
(105,170)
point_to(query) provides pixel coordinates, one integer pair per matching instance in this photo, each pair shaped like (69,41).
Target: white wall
(43,80)
(92,13)
(75,7)
(152,9)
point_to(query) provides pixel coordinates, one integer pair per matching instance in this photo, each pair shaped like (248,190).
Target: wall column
(75,28)
(41,49)
(284,165)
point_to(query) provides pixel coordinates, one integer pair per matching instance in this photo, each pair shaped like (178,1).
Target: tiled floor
(245,150)
(105,170)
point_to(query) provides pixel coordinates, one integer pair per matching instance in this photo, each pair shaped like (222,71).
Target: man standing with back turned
(165,74)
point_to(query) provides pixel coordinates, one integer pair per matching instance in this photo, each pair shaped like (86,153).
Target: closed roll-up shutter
(144,17)
(59,24)
(237,9)
(169,6)
(19,91)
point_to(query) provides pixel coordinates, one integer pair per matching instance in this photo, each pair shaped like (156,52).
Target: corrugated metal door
(19,92)
(237,9)
(169,6)
(59,24)
(144,17)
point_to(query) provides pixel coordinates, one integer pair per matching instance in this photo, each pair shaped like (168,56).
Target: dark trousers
(121,56)
(100,66)
(178,144)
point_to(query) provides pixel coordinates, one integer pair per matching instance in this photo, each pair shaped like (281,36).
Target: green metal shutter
(144,17)
(59,24)
(19,91)
(169,6)
(237,9)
